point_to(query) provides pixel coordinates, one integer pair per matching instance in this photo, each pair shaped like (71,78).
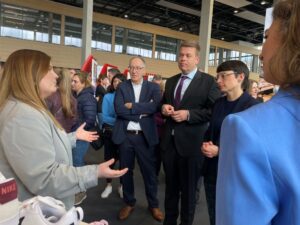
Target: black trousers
(136,146)
(182,175)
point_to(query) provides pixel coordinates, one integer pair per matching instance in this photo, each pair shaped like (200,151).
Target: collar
(191,74)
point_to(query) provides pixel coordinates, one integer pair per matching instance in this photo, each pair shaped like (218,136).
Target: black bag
(97,144)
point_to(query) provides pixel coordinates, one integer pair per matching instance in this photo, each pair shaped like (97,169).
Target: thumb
(82,125)
(109,162)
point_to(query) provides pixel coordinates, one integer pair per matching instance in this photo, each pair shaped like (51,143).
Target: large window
(29,24)
(101,37)
(248,60)
(73,30)
(133,42)
(212,56)
(166,48)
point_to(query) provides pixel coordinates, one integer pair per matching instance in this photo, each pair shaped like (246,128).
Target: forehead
(136,61)
(187,50)
(76,78)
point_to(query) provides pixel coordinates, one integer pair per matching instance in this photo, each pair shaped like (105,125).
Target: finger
(82,125)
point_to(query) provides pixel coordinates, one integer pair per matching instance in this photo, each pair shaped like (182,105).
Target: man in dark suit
(136,102)
(187,102)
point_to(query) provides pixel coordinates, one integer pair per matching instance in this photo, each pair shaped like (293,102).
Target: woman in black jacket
(233,80)
(87,111)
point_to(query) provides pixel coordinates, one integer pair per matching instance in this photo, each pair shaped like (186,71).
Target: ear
(241,77)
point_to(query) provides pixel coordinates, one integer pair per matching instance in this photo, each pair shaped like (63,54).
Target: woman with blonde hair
(34,148)
(258,177)
(62,103)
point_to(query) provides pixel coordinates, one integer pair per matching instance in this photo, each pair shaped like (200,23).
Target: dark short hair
(119,76)
(114,71)
(238,67)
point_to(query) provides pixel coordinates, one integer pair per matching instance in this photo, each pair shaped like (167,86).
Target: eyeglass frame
(224,75)
(138,68)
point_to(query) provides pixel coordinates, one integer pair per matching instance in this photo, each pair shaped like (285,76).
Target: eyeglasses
(223,75)
(138,68)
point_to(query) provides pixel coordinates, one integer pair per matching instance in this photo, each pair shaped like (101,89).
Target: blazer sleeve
(33,155)
(204,114)
(120,108)
(150,107)
(246,192)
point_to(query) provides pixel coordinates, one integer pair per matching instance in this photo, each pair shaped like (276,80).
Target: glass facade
(101,37)
(166,48)
(73,28)
(31,24)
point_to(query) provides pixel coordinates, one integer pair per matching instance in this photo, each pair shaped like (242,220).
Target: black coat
(210,165)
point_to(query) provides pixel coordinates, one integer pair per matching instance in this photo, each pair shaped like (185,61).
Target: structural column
(87,29)
(205,32)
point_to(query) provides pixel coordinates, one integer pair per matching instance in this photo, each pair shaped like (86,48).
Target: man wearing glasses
(187,102)
(136,102)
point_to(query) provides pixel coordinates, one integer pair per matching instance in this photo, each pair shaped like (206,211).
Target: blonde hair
(64,87)
(285,66)
(22,73)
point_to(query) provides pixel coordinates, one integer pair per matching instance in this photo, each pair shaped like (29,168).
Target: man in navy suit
(135,132)
(187,102)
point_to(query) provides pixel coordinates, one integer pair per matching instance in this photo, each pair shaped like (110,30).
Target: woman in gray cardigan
(34,148)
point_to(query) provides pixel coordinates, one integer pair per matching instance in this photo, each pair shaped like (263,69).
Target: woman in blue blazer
(258,175)
(233,80)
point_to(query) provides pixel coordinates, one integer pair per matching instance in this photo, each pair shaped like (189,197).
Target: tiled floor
(96,208)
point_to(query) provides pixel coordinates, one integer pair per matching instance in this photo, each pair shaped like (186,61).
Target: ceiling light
(236,11)
(126,16)
(180,28)
(263,2)
(222,38)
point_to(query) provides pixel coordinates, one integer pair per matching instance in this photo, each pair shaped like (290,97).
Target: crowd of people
(193,124)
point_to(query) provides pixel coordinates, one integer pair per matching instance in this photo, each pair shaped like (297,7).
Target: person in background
(111,150)
(187,103)
(87,112)
(136,102)
(258,176)
(101,90)
(233,80)
(62,104)
(160,121)
(111,73)
(254,90)
(34,148)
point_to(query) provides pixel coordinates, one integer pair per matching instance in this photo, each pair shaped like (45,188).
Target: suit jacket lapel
(130,91)
(192,86)
(174,86)
(143,91)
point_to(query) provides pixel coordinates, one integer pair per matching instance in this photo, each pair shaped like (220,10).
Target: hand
(101,222)
(167,110)
(209,149)
(82,134)
(128,105)
(180,115)
(105,171)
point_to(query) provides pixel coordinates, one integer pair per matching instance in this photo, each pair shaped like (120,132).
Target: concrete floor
(96,208)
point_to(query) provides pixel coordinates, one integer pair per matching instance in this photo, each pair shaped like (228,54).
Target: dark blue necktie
(177,98)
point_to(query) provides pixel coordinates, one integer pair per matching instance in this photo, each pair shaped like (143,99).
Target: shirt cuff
(188,115)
